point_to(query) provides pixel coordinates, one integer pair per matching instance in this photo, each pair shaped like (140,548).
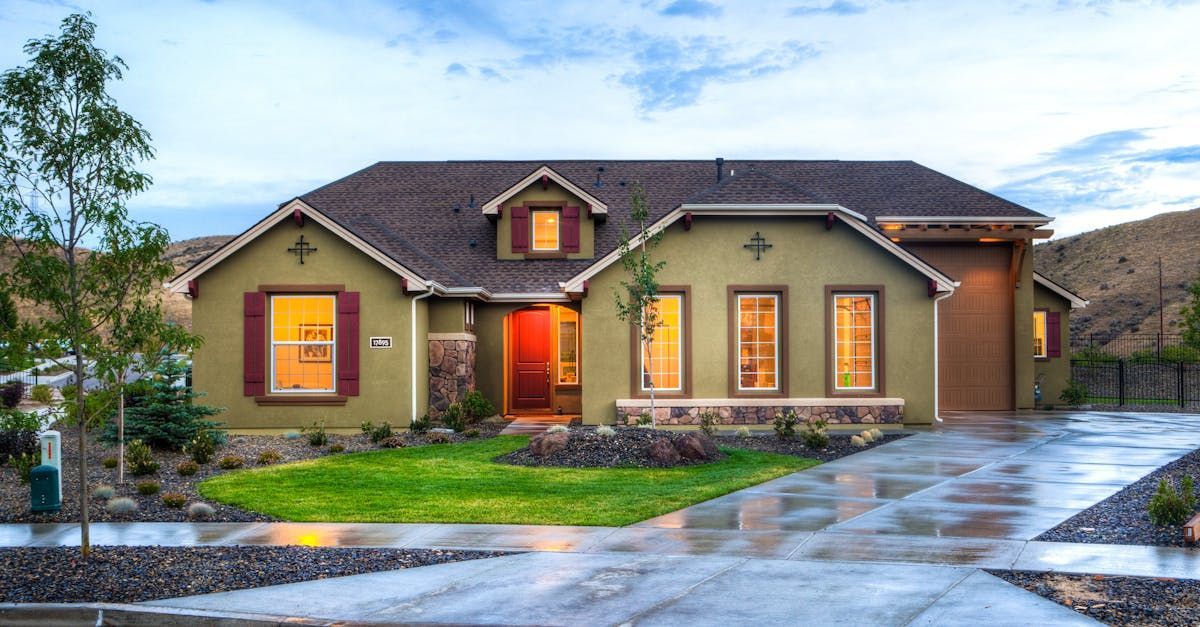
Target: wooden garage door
(975,360)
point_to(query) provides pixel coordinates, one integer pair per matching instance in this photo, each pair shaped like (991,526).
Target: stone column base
(451,369)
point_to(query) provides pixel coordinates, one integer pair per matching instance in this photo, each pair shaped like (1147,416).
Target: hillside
(182,254)
(1116,268)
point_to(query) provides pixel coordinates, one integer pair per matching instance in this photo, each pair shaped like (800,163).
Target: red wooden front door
(531,359)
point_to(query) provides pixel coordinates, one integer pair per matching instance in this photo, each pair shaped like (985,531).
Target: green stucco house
(863,292)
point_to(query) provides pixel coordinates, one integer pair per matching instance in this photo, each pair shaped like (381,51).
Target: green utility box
(44,493)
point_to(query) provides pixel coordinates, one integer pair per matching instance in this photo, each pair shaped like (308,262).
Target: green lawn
(460,483)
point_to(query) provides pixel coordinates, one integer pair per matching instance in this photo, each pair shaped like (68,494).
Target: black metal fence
(1139,381)
(1124,345)
(29,377)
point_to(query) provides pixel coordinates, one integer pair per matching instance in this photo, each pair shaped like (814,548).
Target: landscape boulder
(547,444)
(696,447)
(663,452)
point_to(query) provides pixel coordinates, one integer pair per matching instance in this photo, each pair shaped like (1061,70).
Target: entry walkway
(893,535)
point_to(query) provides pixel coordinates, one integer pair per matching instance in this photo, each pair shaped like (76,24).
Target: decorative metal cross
(758,245)
(302,248)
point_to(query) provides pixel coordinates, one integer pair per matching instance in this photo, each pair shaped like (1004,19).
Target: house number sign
(381,342)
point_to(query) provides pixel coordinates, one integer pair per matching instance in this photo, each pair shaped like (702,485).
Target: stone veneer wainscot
(451,369)
(835,411)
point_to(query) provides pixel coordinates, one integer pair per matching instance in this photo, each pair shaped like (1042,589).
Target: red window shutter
(347,343)
(1053,334)
(570,229)
(254,344)
(520,229)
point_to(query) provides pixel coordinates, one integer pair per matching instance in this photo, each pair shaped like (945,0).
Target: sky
(1083,110)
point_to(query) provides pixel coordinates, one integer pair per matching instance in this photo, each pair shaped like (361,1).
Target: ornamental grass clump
(605,431)
(858,440)
(454,418)
(437,437)
(316,434)
(268,457)
(121,506)
(336,448)
(377,434)
(876,434)
(42,394)
(557,429)
(421,425)
(174,500)
(187,468)
(200,511)
(104,492)
(231,462)
(742,432)
(471,433)
(139,459)
(146,488)
(109,462)
(866,436)
(1169,508)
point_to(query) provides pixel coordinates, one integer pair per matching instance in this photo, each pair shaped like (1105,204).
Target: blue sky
(1084,110)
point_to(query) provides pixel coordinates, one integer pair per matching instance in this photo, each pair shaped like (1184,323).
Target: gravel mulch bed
(588,449)
(1116,600)
(1122,517)
(14,495)
(120,574)
(839,445)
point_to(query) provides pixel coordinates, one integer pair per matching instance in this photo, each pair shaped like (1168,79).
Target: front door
(531,359)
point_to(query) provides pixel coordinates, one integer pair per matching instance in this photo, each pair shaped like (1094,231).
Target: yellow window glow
(662,362)
(302,343)
(545,230)
(568,346)
(758,342)
(1039,334)
(854,341)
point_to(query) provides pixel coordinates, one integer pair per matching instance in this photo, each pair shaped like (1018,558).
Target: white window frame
(533,230)
(679,350)
(1045,354)
(332,345)
(872,297)
(469,315)
(578,345)
(738,357)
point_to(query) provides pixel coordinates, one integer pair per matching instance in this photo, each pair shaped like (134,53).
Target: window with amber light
(854,341)
(545,230)
(758,344)
(662,362)
(302,343)
(1039,334)
(568,346)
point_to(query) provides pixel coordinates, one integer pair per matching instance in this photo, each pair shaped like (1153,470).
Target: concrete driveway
(893,536)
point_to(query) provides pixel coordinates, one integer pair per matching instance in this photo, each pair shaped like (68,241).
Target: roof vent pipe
(720,166)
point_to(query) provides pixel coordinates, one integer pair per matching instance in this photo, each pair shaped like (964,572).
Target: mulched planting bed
(120,574)
(14,495)
(839,445)
(1122,517)
(627,447)
(1116,600)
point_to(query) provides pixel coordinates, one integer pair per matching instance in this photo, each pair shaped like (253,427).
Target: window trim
(879,338)
(685,346)
(1045,356)
(780,292)
(271,344)
(533,211)
(558,319)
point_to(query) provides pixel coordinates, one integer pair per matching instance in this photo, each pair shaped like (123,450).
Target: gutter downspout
(413,346)
(936,371)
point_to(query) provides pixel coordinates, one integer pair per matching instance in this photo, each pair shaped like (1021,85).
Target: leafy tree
(166,416)
(1191,317)
(68,164)
(639,292)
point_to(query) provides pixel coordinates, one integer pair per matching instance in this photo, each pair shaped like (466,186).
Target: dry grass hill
(182,254)
(1116,268)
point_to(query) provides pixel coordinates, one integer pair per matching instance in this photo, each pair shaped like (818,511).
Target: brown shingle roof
(427,215)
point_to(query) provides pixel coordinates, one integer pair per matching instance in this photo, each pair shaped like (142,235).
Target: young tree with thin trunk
(638,294)
(68,164)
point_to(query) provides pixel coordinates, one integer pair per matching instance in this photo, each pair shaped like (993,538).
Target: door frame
(510,336)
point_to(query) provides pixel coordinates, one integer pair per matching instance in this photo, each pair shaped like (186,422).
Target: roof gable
(544,173)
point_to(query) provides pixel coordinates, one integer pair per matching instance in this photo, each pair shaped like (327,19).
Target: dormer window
(546,225)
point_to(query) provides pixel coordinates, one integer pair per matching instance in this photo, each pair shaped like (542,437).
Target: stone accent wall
(451,369)
(733,414)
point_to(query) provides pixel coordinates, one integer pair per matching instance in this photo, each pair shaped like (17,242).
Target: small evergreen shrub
(202,447)
(231,462)
(121,506)
(11,393)
(103,492)
(454,418)
(1169,508)
(200,511)
(42,393)
(377,434)
(421,425)
(742,432)
(1075,393)
(557,429)
(187,468)
(316,434)
(138,458)
(605,431)
(476,406)
(174,500)
(708,422)
(437,437)
(471,433)
(162,413)
(815,433)
(785,425)
(18,433)
(110,462)
(857,440)
(268,457)
(336,448)
(146,488)
(24,464)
